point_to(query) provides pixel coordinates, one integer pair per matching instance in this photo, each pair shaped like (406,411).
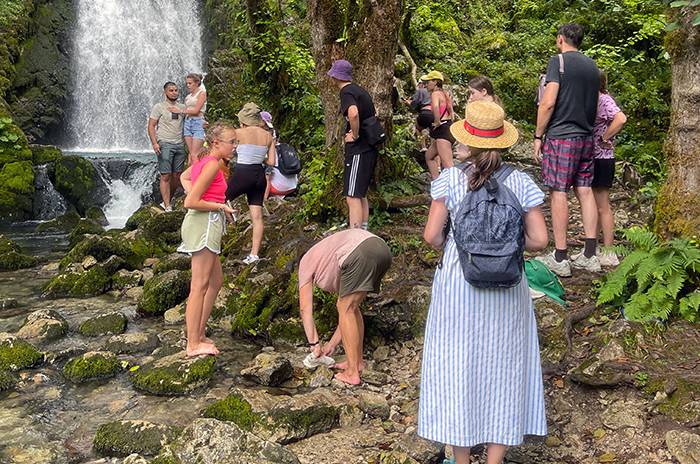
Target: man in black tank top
(360,157)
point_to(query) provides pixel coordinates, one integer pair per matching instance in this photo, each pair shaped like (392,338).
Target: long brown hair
(603,82)
(485,161)
(484,83)
(214,132)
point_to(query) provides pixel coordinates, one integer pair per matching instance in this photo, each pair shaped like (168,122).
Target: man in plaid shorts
(564,145)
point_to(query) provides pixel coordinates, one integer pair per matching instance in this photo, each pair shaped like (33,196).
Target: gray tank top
(251,154)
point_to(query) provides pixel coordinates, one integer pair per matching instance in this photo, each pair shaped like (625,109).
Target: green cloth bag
(540,278)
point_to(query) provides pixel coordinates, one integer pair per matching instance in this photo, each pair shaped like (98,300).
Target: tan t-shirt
(168,129)
(321,264)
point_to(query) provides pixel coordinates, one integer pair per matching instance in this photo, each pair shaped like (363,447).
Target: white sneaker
(536,294)
(168,209)
(560,268)
(592,264)
(250,259)
(608,259)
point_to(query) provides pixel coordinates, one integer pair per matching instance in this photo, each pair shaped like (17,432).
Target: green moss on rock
(163,227)
(289,331)
(234,408)
(178,261)
(141,215)
(7,381)
(64,223)
(42,154)
(79,284)
(173,375)
(105,246)
(74,178)
(96,214)
(16,189)
(16,354)
(104,324)
(11,256)
(164,291)
(82,228)
(91,366)
(125,437)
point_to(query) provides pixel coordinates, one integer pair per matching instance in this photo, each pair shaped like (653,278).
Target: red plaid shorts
(567,163)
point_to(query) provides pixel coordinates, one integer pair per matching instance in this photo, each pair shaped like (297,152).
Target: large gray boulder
(43,325)
(270,369)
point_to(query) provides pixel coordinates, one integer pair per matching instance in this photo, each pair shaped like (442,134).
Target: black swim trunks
(249,179)
(359,169)
(442,131)
(424,119)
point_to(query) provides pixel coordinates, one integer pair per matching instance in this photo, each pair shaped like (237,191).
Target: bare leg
(431,160)
(202,262)
(190,156)
(589,212)
(560,218)
(197,145)
(495,453)
(165,185)
(365,210)
(606,221)
(361,330)
(256,215)
(461,454)
(348,315)
(174,183)
(355,212)
(216,280)
(444,148)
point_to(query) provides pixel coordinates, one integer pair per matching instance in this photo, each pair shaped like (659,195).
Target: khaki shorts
(363,270)
(202,229)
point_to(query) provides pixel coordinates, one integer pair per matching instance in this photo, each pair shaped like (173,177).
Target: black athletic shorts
(359,169)
(442,132)
(249,179)
(424,119)
(603,173)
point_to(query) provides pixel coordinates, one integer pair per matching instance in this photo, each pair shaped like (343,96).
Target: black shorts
(424,120)
(442,132)
(603,173)
(249,179)
(359,169)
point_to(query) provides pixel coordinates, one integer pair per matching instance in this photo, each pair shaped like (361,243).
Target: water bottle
(448,461)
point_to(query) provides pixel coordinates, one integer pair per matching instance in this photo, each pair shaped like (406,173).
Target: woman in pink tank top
(202,231)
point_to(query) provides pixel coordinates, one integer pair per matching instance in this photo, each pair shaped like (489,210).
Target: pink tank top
(217,189)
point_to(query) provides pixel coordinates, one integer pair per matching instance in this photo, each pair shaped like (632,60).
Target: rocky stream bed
(92,368)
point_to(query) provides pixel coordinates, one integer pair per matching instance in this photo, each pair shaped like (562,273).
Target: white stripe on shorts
(353,174)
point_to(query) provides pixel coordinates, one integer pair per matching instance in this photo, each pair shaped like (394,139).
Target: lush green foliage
(655,280)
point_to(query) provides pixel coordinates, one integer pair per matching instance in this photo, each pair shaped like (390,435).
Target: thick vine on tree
(678,206)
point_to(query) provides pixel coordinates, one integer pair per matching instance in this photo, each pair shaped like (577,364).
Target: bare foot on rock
(348,379)
(210,344)
(344,365)
(201,349)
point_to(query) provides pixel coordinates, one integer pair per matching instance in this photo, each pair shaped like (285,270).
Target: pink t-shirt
(607,109)
(217,189)
(321,264)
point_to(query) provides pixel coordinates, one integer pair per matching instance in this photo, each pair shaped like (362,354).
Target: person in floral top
(608,123)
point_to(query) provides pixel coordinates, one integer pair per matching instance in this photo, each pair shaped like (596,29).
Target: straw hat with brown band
(484,127)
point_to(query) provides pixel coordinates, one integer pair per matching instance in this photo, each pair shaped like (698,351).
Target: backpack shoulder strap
(503,172)
(561,63)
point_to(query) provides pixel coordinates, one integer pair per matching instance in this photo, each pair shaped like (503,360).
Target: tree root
(571,320)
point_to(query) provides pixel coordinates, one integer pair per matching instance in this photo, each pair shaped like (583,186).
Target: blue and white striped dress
(481,375)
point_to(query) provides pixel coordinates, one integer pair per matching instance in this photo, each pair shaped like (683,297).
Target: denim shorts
(172,157)
(194,127)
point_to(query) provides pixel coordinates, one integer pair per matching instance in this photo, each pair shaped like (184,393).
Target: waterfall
(123,53)
(47,202)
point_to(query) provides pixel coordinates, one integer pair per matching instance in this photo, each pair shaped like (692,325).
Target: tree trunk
(678,205)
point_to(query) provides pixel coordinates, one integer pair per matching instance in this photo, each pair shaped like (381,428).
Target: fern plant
(656,280)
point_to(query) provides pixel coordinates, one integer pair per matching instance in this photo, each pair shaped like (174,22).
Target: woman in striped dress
(481,375)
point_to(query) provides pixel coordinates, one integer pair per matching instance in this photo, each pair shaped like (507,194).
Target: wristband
(538,137)
(313,344)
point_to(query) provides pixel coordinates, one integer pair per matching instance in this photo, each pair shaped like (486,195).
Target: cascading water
(48,203)
(126,191)
(124,51)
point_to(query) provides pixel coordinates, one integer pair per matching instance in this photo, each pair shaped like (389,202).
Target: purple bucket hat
(267,118)
(341,70)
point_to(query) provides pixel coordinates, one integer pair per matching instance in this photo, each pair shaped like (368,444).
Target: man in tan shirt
(165,132)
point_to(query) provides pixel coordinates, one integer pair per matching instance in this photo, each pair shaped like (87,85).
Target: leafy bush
(655,280)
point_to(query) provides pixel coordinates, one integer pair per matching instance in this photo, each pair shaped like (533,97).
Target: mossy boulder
(16,354)
(16,189)
(82,228)
(270,369)
(132,343)
(234,408)
(7,381)
(42,154)
(77,282)
(164,227)
(43,325)
(102,247)
(179,261)
(164,291)
(96,214)
(142,215)
(124,279)
(64,224)
(104,324)
(93,365)
(74,178)
(125,437)
(173,375)
(286,331)
(11,256)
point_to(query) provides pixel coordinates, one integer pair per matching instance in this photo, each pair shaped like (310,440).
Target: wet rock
(289,332)
(142,215)
(16,354)
(104,324)
(7,380)
(374,405)
(423,451)
(684,446)
(85,227)
(134,293)
(8,303)
(175,315)
(64,223)
(132,343)
(622,414)
(271,369)
(209,441)
(173,375)
(77,282)
(43,325)
(163,227)
(96,214)
(164,291)
(322,376)
(124,279)
(92,365)
(279,418)
(102,247)
(178,261)
(125,437)
(11,256)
